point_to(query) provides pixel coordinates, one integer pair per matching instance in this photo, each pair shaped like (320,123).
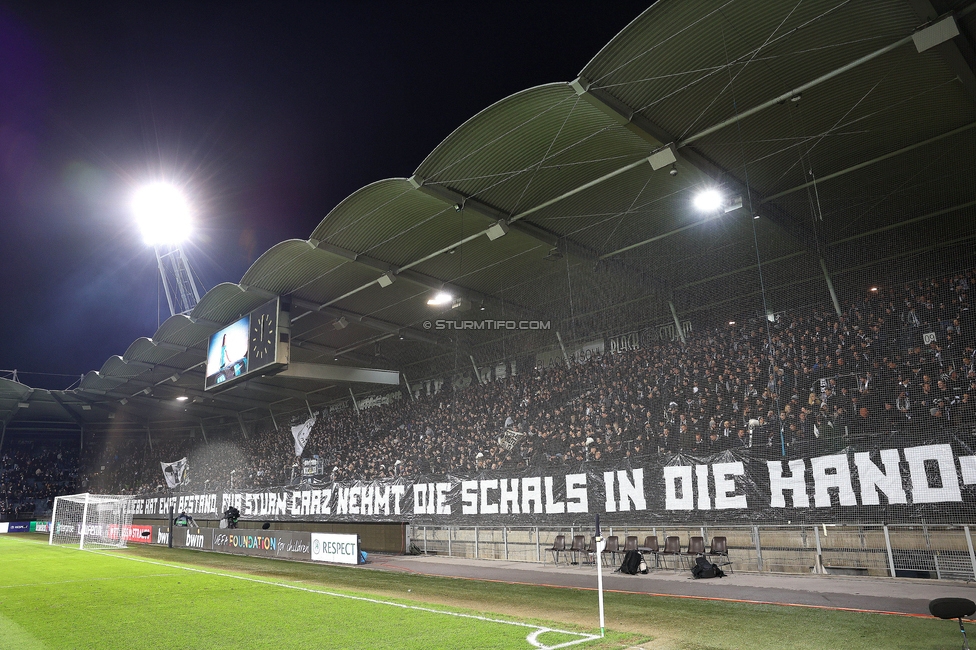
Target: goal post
(91,520)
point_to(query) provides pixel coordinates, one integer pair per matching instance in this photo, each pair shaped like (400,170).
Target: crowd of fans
(32,475)
(897,366)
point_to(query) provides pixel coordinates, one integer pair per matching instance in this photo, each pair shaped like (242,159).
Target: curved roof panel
(529,147)
(374,215)
(223,303)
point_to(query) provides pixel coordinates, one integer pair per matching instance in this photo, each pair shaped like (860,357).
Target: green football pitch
(58,597)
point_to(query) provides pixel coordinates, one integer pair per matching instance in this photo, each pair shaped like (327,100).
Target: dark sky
(269,113)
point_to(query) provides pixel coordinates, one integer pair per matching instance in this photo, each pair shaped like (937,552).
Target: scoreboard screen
(257,343)
(227,353)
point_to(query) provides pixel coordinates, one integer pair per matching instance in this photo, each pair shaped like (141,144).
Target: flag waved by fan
(174,472)
(301,433)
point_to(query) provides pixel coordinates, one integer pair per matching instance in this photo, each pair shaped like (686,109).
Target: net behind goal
(91,520)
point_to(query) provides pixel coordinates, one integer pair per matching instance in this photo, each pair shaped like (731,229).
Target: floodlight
(441,298)
(162,213)
(499,229)
(709,200)
(182,398)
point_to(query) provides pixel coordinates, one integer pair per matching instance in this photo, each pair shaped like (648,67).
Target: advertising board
(331,547)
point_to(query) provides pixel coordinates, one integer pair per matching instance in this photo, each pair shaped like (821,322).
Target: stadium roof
(846,128)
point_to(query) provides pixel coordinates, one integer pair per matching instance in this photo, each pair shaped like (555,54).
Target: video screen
(227,353)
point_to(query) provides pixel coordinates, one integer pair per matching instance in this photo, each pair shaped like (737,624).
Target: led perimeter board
(257,343)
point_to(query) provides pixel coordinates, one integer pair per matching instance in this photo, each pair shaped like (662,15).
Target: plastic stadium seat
(591,551)
(630,543)
(558,546)
(612,548)
(578,548)
(672,548)
(720,548)
(696,547)
(650,546)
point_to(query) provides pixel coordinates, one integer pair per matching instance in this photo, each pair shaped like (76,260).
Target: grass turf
(59,597)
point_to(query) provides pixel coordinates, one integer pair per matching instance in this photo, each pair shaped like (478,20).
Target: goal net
(91,520)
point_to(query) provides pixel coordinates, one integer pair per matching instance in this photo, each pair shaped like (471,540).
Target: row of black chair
(580,549)
(696,548)
(672,548)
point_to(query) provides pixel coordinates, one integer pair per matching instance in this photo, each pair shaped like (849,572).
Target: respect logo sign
(329,547)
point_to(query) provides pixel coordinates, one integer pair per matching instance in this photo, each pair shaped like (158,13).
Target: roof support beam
(656,136)
(113,395)
(790,94)
(538,233)
(868,163)
(365,321)
(342,373)
(957,52)
(278,391)
(415,277)
(141,396)
(71,414)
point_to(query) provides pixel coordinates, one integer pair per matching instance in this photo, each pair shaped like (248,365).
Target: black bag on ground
(705,569)
(633,563)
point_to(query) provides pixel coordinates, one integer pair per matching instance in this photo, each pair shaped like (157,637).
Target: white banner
(329,547)
(174,472)
(301,433)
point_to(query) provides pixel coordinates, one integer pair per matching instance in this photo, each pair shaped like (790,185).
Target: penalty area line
(532,638)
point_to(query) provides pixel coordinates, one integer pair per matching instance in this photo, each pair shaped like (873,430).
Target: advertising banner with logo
(933,483)
(19,527)
(284,544)
(40,526)
(292,545)
(330,547)
(160,535)
(138,534)
(198,538)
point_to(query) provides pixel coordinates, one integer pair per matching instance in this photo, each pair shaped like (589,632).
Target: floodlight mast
(181,290)
(164,215)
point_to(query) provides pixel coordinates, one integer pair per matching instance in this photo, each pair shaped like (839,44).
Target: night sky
(268,113)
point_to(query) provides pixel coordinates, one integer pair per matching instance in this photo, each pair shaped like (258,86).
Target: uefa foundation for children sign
(933,483)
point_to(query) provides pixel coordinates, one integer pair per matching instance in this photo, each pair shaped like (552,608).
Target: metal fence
(913,551)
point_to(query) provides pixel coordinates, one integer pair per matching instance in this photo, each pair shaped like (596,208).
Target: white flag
(301,433)
(174,472)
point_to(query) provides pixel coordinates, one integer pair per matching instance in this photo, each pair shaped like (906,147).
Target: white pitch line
(531,638)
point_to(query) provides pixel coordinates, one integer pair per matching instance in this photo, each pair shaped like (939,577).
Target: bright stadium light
(441,298)
(162,213)
(709,200)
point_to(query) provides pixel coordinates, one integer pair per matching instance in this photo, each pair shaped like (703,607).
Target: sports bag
(632,563)
(705,569)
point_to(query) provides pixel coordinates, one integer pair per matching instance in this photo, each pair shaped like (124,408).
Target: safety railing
(913,551)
